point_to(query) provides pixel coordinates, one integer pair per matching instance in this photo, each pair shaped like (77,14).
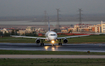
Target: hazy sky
(37,7)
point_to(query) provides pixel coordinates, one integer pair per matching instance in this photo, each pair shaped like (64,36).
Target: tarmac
(56,47)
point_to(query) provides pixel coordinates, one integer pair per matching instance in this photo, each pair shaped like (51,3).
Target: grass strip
(49,52)
(52,62)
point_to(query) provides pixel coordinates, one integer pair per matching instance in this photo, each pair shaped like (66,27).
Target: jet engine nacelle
(65,41)
(37,41)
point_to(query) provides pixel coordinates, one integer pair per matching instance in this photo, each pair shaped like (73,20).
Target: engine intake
(65,41)
(37,41)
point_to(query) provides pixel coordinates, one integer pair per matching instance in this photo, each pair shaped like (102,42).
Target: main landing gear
(60,43)
(42,44)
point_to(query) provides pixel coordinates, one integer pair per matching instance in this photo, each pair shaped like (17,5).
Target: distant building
(95,28)
(64,31)
(4,30)
(73,29)
(21,32)
(29,28)
(102,27)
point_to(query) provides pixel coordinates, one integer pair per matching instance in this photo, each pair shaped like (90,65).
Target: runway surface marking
(51,56)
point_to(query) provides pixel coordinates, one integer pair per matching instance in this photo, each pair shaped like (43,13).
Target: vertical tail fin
(48,24)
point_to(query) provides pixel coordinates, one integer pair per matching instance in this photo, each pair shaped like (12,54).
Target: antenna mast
(80,18)
(45,16)
(58,26)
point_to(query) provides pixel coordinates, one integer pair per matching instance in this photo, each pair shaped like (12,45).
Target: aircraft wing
(72,36)
(28,37)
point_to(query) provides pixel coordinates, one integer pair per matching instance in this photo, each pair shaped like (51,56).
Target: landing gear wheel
(42,44)
(60,44)
(52,44)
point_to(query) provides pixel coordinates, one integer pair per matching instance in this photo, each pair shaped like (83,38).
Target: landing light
(52,41)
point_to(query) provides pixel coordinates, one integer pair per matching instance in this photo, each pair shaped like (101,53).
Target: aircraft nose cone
(53,38)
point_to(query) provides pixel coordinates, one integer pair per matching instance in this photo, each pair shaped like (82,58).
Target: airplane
(50,36)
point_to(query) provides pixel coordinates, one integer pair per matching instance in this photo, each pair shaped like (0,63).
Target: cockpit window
(52,34)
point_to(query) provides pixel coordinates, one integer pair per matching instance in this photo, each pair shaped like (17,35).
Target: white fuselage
(51,35)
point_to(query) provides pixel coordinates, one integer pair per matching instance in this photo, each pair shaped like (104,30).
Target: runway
(49,47)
